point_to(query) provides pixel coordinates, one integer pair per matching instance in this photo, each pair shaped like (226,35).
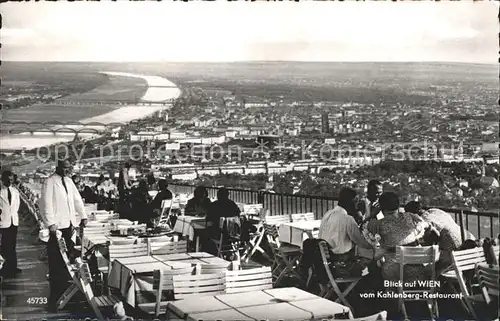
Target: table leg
(197,247)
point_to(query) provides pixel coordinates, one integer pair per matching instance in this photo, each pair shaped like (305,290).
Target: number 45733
(37,300)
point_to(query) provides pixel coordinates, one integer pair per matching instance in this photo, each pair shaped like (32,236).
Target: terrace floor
(32,283)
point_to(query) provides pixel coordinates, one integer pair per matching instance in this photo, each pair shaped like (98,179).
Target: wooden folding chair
(464,261)
(163,282)
(121,251)
(228,245)
(193,286)
(350,282)
(285,257)
(411,255)
(166,247)
(92,229)
(488,277)
(254,244)
(249,280)
(72,270)
(166,207)
(96,302)
(156,242)
(303,217)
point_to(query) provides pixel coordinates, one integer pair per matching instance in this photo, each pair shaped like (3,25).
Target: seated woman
(397,229)
(199,204)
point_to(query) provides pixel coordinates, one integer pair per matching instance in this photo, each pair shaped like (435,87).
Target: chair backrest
(163,281)
(167,247)
(249,280)
(63,249)
(272,234)
(415,255)
(213,268)
(488,280)
(127,250)
(166,206)
(382,315)
(85,278)
(277,219)
(325,258)
(303,217)
(466,260)
(186,286)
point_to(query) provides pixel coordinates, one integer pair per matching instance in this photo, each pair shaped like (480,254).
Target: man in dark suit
(9,221)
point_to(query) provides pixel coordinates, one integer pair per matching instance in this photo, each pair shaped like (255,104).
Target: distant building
(325,123)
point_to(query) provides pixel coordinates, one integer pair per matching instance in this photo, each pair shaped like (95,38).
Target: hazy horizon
(250,61)
(307,31)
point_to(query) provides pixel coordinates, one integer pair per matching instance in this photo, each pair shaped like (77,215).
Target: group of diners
(379,224)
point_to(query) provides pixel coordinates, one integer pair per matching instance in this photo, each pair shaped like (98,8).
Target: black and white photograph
(249,160)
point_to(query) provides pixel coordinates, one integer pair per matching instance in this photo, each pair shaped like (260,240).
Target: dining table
(133,277)
(295,233)
(193,258)
(191,227)
(287,304)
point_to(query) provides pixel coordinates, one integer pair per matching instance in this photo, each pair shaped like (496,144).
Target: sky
(463,31)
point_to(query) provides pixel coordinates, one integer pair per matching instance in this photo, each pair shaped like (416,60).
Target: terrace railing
(481,224)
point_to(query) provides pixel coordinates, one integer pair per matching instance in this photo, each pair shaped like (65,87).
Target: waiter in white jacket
(59,203)
(9,221)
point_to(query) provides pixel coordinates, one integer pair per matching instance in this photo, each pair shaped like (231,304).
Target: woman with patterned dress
(397,229)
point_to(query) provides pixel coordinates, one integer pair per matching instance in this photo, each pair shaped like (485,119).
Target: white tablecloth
(297,232)
(185,225)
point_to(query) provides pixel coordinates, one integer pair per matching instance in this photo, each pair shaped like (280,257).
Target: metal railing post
(461,223)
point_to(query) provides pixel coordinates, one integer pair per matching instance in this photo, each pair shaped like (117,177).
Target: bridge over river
(18,135)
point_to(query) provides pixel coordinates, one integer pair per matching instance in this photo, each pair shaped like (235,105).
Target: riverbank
(159,90)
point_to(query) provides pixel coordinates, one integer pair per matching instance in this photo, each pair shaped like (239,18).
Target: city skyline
(464,32)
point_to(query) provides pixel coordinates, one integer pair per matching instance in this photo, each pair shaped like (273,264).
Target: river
(159,90)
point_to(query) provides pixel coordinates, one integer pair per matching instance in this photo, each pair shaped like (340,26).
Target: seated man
(222,207)
(339,228)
